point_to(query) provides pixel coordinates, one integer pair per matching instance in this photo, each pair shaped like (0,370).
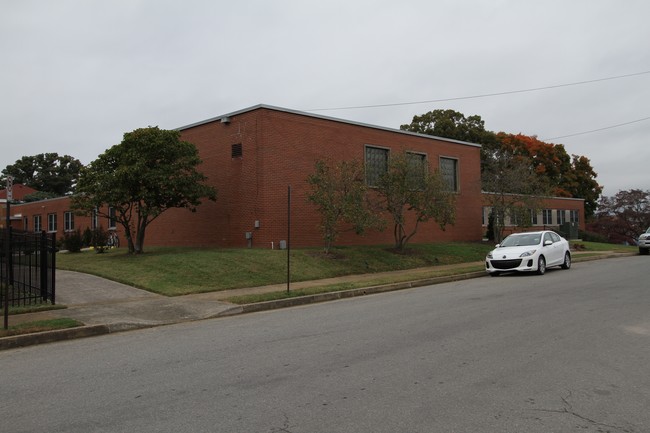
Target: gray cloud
(75,75)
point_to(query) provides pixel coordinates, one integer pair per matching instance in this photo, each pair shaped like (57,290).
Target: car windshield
(648,231)
(521,240)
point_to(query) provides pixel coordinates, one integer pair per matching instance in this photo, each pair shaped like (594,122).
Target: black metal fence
(27,267)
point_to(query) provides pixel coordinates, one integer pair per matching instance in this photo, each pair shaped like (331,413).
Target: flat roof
(317,116)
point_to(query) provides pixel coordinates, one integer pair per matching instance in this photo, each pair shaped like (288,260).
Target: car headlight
(489,256)
(528,253)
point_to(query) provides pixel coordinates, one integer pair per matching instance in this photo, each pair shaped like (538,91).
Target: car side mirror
(497,245)
(547,243)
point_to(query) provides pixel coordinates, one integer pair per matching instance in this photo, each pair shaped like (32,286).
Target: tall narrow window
(51,222)
(547,217)
(111,218)
(37,223)
(68,221)
(533,216)
(376,164)
(449,172)
(94,220)
(561,216)
(574,216)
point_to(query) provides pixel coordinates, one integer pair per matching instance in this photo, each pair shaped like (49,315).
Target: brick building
(253,155)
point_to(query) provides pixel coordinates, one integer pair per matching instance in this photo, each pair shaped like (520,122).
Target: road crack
(568,410)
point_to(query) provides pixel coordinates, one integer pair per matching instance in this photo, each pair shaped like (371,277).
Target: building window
(111,218)
(94,222)
(68,221)
(236,151)
(51,222)
(417,169)
(561,216)
(37,223)
(484,210)
(533,216)
(449,172)
(547,217)
(376,164)
(574,218)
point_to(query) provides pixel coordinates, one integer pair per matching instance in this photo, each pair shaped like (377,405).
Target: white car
(644,242)
(529,252)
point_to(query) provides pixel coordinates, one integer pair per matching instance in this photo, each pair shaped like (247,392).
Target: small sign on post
(10,188)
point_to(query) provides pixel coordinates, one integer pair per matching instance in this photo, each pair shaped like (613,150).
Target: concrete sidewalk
(105,306)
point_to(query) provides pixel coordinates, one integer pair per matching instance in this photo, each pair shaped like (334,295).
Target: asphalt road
(567,351)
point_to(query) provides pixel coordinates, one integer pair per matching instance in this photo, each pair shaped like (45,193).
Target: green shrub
(72,241)
(100,239)
(592,237)
(87,238)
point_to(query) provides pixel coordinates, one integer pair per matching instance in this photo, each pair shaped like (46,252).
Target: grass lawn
(39,326)
(180,271)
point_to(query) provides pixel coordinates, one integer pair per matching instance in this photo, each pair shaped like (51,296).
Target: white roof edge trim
(317,116)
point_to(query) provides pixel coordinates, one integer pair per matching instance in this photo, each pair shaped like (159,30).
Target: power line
(486,95)
(597,130)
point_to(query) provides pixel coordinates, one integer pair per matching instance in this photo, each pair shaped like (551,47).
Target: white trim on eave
(225,117)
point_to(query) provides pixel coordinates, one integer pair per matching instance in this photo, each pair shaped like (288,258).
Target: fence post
(43,264)
(53,267)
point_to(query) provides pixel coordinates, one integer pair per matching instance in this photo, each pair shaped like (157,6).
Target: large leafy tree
(340,193)
(567,176)
(48,173)
(623,216)
(453,124)
(408,187)
(149,172)
(514,190)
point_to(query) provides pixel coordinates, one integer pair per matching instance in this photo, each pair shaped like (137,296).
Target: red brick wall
(280,149)
(58,206)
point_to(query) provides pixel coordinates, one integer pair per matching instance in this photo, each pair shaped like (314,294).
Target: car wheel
(643,251)
(567,261)
(494,274)
(541,265)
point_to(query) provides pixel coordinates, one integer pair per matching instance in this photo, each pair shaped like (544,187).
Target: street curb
(24,340)
(332,296)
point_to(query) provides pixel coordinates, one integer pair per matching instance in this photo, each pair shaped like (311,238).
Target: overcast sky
(75,75)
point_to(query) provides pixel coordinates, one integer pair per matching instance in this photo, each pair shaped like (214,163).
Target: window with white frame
(533,217)
(25,223)
(376,164)
(547,216)
(51,222)
(94,220)
(111,218)
(37,223)
(68,221)
(574,216)
(449,172)
(561,216)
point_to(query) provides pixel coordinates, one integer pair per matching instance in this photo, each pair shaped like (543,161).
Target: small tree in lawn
(340,193)
(408,187)
(149,172)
